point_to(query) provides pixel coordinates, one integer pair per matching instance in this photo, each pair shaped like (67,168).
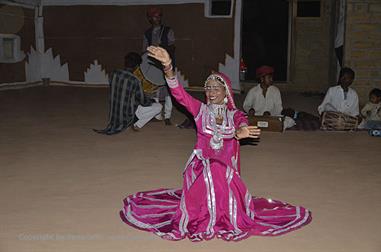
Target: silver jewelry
(217,111)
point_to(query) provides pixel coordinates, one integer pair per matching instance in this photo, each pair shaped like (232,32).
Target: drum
(338,121)
(267,123)
(152,70)
(150,74)
(148,87)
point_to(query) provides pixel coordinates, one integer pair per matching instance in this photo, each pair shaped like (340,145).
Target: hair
(347,70)
(132,60)
(376,92)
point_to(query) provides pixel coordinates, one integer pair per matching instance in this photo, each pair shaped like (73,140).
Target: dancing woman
(214,201)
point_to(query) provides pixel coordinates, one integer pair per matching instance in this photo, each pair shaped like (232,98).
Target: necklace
(217,111)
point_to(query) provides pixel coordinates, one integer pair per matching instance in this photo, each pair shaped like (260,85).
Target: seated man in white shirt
(341,98)
(263,99)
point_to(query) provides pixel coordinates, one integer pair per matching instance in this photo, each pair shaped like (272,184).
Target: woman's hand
(247,131)
(160,54)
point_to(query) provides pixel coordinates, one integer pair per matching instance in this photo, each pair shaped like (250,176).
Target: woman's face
(215,92)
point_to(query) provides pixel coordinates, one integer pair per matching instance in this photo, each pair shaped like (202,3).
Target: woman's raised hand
(160,54)
(247,131)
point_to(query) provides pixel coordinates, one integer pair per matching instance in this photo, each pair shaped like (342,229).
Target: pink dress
(214,201)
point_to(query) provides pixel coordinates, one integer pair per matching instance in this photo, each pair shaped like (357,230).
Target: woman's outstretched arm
(190,103)
(243,130)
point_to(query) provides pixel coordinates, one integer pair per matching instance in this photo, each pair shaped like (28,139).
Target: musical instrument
(148,87)
(267,123)
(150,74)
(338,121)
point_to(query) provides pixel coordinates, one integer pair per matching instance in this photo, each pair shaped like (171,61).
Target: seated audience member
(371,112)
(341,98)
(129,105)
(263,99)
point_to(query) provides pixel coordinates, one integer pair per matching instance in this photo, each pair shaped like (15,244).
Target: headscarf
(225,81)
(263,70)
(154,12)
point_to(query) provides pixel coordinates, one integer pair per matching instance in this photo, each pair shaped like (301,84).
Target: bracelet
(167,68)
(165,64)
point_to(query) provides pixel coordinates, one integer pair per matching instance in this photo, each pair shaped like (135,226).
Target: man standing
(263,99)
(159,34)
(163,36)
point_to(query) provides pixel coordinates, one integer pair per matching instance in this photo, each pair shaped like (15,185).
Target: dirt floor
(62,185)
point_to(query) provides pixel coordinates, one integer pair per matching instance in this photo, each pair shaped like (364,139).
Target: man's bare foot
(135,128)
(167,122)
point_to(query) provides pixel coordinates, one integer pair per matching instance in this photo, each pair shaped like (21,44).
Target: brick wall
(313,62)
(363,44)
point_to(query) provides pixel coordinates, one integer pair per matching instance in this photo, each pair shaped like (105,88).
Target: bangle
(167,68)
(165,64)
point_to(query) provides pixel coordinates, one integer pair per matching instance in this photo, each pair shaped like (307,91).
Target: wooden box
(267,123)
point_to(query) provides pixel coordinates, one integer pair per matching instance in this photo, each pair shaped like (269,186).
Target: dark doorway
(265,36)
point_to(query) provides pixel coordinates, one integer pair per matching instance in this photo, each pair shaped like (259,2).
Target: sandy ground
(62,185)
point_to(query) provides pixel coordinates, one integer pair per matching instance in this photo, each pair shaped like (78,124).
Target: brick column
(363,44)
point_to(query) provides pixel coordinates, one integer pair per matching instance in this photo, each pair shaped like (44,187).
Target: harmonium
(267,123)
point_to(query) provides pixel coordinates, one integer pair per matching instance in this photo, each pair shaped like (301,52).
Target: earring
(226,100)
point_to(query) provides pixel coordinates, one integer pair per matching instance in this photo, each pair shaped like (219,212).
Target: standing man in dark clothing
(163,36)
(159,34)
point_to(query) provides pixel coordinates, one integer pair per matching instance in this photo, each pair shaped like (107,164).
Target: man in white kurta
(342,98)
(263,99)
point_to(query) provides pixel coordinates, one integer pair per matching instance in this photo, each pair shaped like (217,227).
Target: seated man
(263,99)
(129,106)
(342,98)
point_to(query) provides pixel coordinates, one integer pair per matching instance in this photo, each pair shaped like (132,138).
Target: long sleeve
(367,108)
(240,119)
(277,104)
(249,100)
(326,100)
(145,44)
(189,102)
(144,100)
(354,108)
(171,37)
(378,113)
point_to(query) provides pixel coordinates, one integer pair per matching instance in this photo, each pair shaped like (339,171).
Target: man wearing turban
(163,36)
(263,99)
